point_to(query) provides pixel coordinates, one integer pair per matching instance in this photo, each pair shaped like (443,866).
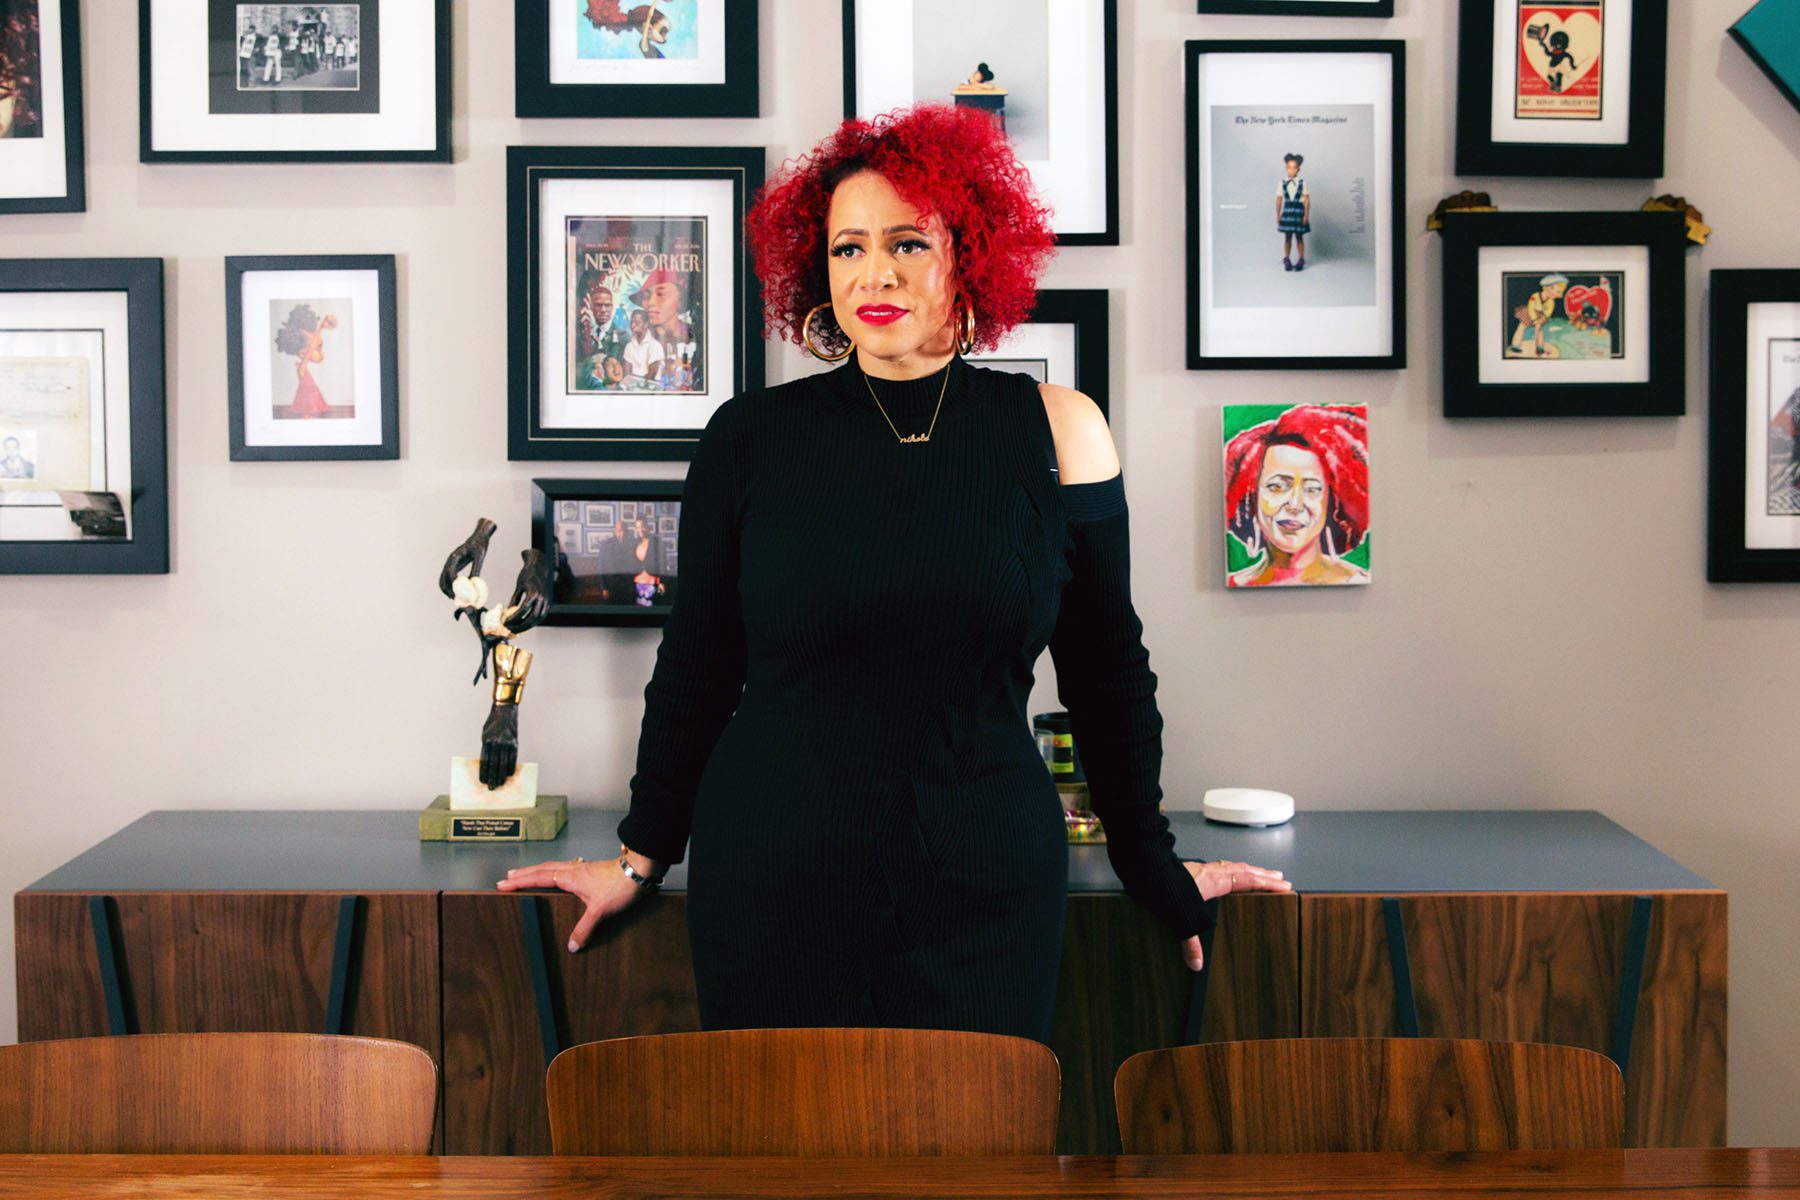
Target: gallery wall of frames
(291,292)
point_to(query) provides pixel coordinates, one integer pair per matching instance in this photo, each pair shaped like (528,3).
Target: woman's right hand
(601,886)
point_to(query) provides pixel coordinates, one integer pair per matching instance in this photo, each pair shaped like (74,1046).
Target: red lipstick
(880,314)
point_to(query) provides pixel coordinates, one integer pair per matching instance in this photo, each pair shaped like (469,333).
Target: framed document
(1296,199)
(83,467)
(1064,341)
(347,81)
(1564,314)
(1753,467)
(40,107)
(626,58)
(1561,87)
(634,312)
(1035,66)
(311,362)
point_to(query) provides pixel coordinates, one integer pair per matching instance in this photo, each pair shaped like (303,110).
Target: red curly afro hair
(952,163)
(1339,435)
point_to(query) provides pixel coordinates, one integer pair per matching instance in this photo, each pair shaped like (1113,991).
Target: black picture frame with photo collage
(1639,157)
(145,448)
(536,95)
(72,195)
(387,316)
(1728,558)
(579,580)
(1466,233)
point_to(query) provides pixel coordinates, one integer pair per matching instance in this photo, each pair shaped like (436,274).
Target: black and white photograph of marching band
(303,58)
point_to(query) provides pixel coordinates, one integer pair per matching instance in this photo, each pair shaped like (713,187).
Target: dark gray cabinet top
(1377,852)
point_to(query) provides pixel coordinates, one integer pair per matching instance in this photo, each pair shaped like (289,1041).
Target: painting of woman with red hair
(21,71)
(1297,495)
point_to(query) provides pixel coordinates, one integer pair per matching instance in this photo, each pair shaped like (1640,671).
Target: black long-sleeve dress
(835,728)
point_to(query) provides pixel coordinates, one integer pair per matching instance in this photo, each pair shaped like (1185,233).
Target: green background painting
(1237,418)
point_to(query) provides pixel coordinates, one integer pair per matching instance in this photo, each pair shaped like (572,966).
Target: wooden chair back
(818,1092)
(1308,1095)
(217,1093)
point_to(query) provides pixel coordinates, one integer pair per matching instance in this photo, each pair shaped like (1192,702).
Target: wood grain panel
(839,1093)
(1316,1095)
(1541,967)
(56,967)
(635,976)
(1123,989)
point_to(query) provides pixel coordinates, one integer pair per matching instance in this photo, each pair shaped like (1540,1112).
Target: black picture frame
(534,95)
(1086,310)
(528,439)
(1662,395)
(383,265)
(546,494)
(1641,157)
(1300,8)
(146,552)
(439,151)
(1395,359)
(1728,559)
(1108,235)
(74,194)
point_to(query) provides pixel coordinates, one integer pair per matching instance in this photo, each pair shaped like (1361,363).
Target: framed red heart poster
(1561,87)
(1563,314)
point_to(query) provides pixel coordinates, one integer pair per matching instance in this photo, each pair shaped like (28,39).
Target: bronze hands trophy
(496,796)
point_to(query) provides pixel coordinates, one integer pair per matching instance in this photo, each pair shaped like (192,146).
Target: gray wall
(1538,634)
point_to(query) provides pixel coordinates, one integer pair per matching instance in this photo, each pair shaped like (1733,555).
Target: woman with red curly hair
(872,560)
(21,71)
(1297,494)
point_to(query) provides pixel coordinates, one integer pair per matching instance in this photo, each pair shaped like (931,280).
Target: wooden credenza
(1526,925)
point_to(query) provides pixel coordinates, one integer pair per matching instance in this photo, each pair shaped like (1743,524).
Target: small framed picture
(1064,341)
(1301,8)
(83,452)
(1564,314)
(634,312)
(1296,495)
(41,162)
(1561,87)
(629,58)
(1753,468)
(345,81)
(311,361)
(1296,199)
(615,543)
(1051,65)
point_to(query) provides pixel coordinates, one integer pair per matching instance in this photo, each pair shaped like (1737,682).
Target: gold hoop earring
(806,338)
(965,342)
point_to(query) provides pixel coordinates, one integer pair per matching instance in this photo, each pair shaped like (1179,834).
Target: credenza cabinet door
(514,997)
(1124,988)
(1580,969)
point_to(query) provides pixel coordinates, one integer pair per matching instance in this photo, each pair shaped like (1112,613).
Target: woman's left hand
(1221,878)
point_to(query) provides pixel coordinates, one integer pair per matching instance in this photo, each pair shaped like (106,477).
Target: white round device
(1247,806)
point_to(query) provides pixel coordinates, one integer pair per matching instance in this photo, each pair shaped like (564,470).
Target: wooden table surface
(1540,1175)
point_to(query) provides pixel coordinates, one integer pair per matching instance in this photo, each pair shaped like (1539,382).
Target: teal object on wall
(1770,34)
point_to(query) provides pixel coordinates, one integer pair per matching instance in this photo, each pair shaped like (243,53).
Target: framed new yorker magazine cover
(41,160)
(1564,314)
(1753,469)
(1296,198)
(1561,87)
(634,312)
(344,80)
(635,58)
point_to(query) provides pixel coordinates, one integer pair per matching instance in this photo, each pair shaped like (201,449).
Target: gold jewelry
(911,437)
(965,342)
(806,338)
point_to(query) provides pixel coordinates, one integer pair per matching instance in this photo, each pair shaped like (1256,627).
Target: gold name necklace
(911,437)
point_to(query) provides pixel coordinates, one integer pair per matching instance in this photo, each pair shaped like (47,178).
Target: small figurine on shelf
(496,628)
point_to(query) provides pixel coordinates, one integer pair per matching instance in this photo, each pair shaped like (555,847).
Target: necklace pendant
(915,437)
